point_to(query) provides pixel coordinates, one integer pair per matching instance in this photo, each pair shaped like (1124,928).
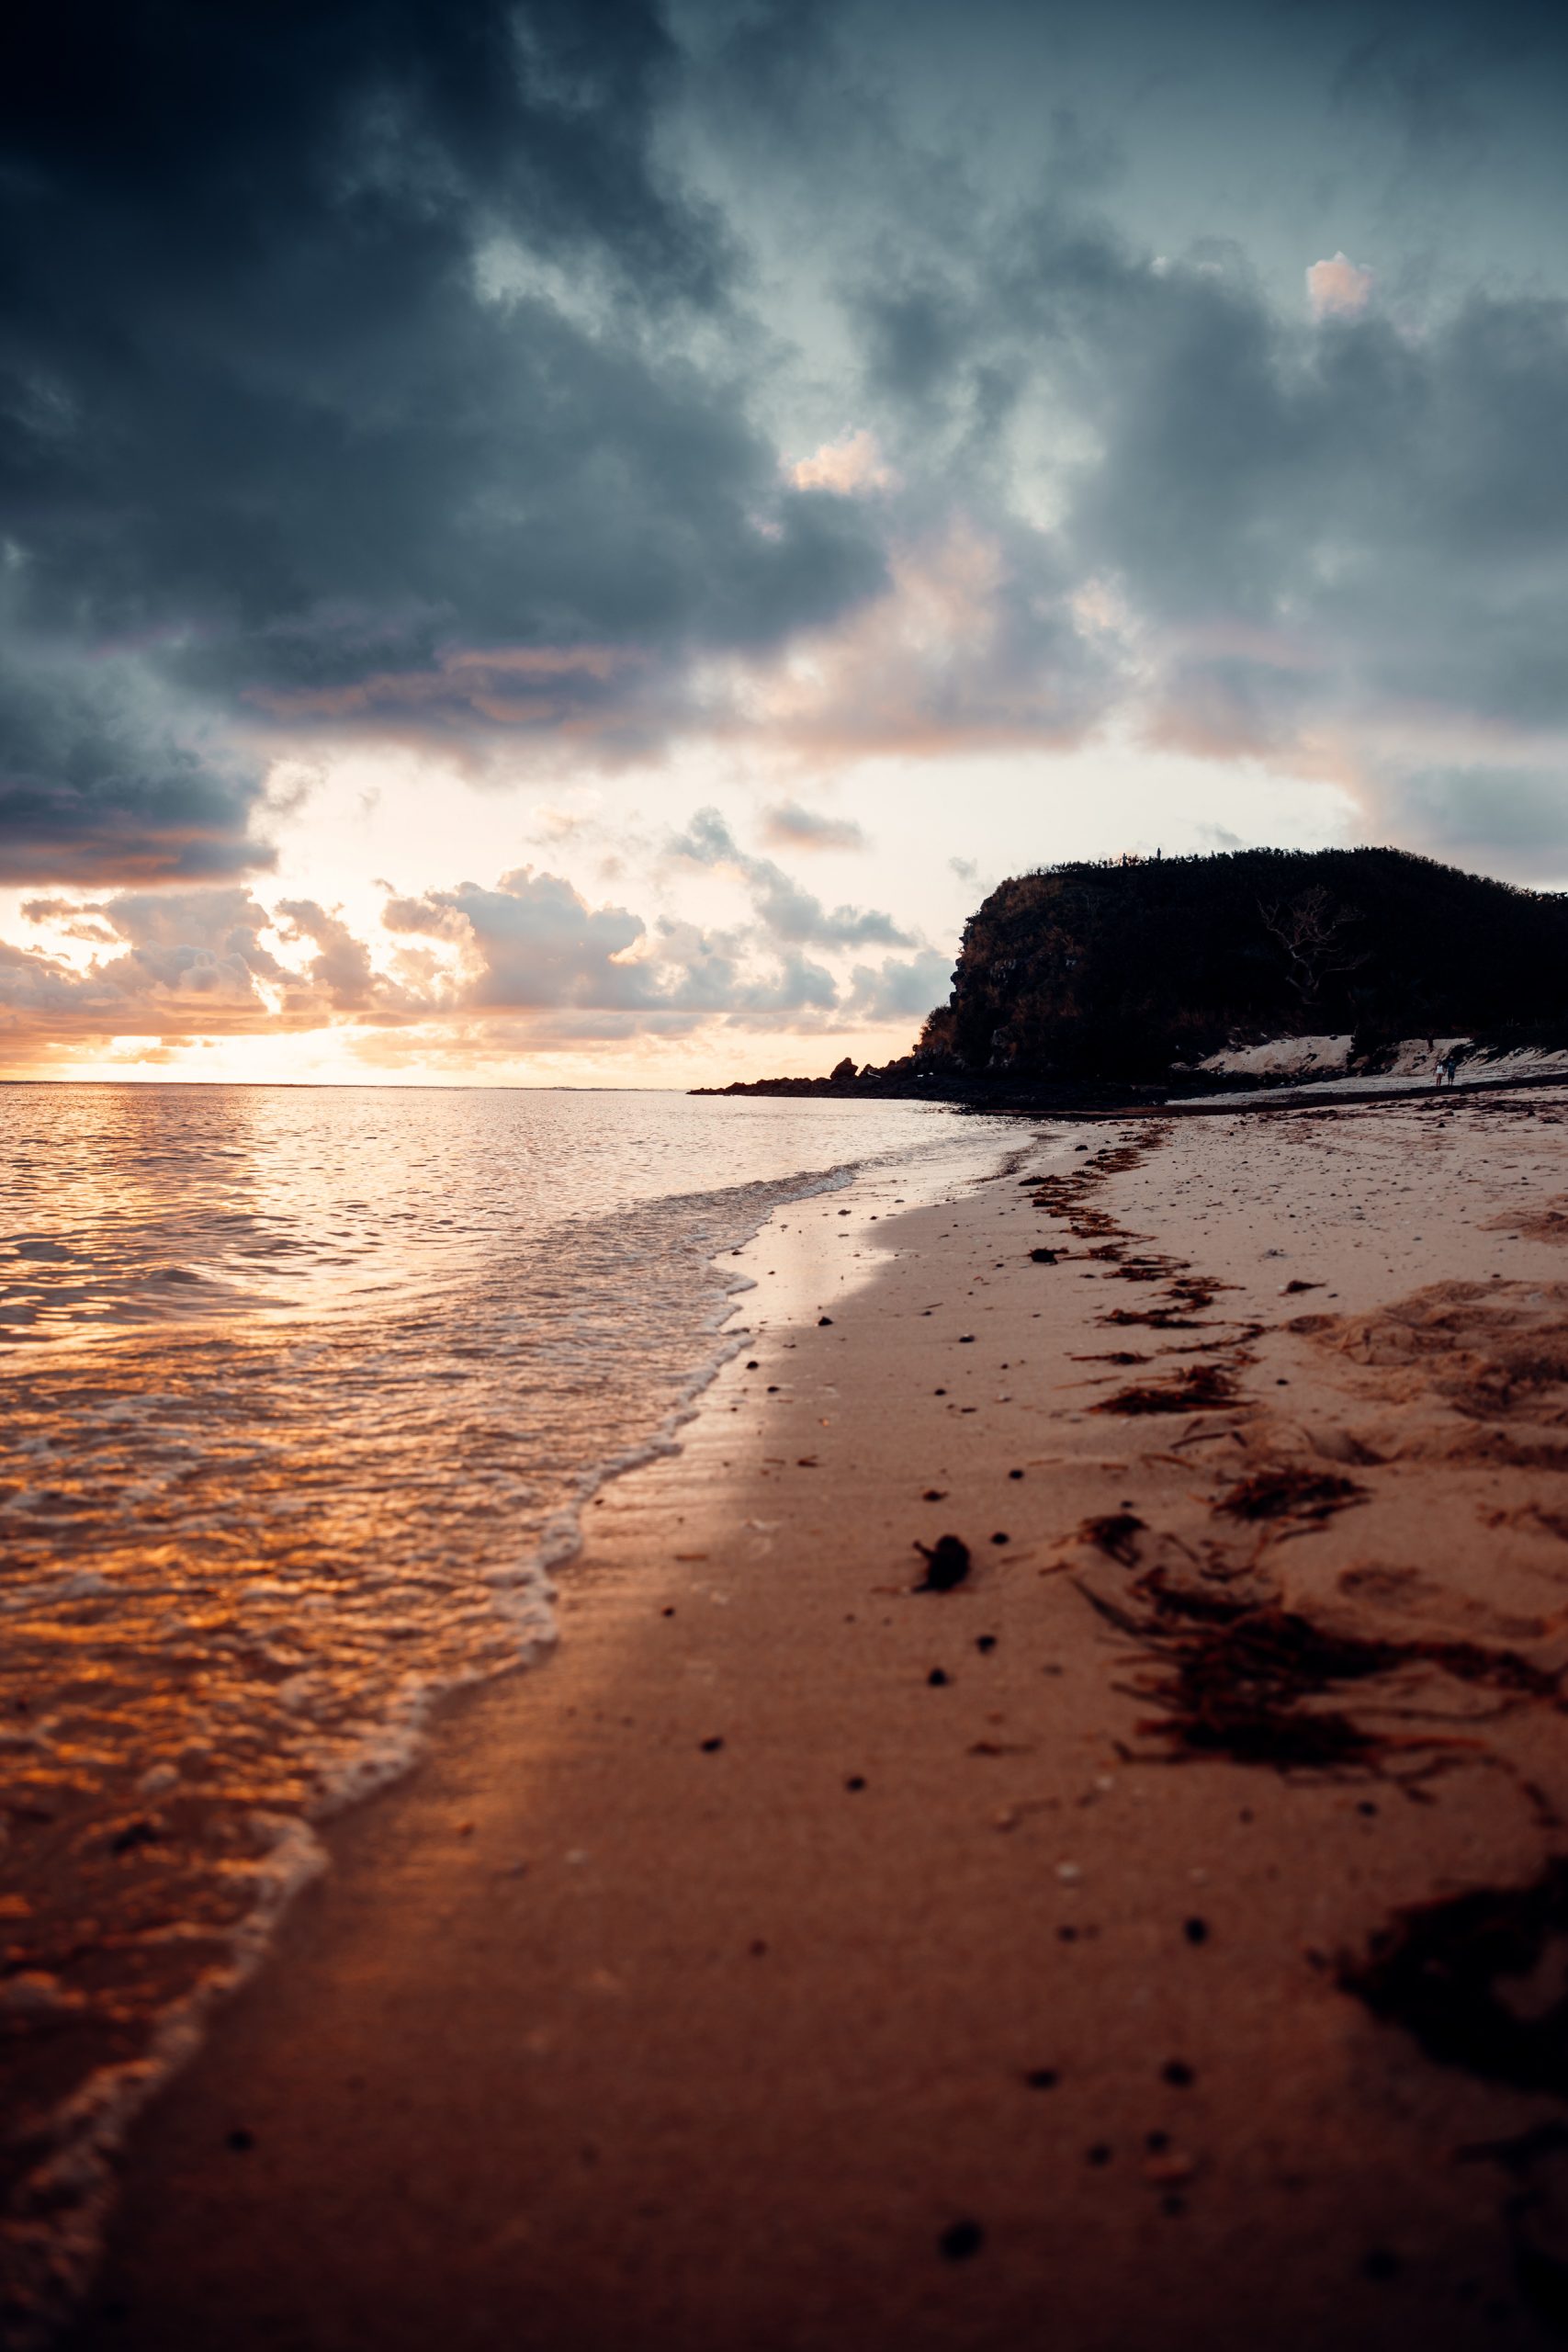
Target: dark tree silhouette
(1313,929)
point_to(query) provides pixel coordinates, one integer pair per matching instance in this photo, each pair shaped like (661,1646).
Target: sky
(573,543)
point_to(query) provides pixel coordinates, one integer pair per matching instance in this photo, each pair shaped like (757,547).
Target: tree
(1312,929)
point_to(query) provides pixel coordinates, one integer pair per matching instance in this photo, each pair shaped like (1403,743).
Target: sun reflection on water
(295,1382)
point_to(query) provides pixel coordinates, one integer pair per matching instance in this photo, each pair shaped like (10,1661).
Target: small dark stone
(947,1564)
(1015,1473)
(667,1612)
(1099,2154)
(855,1781)
(822,1321)
(753,1365)
(710,1747)
(1382,2263)
(961,2240)
(772,1387)
(757,1948)
(937,1678)
(984,1643)
(966,1339)
(1043,1257)
(939,1392)
(1195,1930)
(241,2140)
(1001,1539)
(1042,2078)
(135,1833)
(934,1494)
(1178,2073)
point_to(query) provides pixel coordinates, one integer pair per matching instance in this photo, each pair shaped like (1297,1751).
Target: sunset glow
(904,463)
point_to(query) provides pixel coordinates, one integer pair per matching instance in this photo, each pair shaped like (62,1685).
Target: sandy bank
(801,1959)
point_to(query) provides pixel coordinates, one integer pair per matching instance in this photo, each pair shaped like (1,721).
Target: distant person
(1451,1063)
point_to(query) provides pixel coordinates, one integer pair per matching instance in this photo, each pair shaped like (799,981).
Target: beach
(807,1956)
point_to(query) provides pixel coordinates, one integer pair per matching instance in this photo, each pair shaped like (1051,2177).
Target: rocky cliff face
(1120,970)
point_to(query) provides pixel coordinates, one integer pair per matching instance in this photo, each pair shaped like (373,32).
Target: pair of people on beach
(1449,1066)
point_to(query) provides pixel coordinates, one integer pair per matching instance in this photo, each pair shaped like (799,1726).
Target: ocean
(303,1389)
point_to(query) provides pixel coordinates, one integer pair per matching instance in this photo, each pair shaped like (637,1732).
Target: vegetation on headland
(1081,975)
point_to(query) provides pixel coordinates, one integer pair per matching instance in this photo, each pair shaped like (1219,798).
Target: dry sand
(800,1960)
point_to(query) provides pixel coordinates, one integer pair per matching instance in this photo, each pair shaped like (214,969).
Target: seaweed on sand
(1155,1319)
(1290,1491)
(1443,1971)
(1200,1389)
(1116,1534)
(1235,1674)
(1477,1982)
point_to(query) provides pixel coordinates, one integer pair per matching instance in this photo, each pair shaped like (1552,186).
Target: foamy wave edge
(52,2238)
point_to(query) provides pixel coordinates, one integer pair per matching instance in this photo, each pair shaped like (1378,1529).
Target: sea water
(301,1388)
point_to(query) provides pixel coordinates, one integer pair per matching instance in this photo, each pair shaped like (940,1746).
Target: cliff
(1081,975)
(1124,969)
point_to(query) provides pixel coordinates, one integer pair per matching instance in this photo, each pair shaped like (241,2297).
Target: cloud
(413,395)
(341,969)
(480,375)
(974,645)
(1324,546)
(780,905)
(470,972)
(188,963)
(1509,817)
(1340,288)
(900,988)
(531,942)
(104,778)
(787,825)
(850,466)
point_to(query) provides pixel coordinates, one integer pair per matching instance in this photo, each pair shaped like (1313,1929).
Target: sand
(804,1960)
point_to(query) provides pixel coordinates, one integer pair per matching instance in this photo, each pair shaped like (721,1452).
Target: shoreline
(50,2234)
(653,2041)
(1108,1105)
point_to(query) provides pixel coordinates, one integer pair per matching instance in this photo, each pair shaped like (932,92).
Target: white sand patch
(1282,1058)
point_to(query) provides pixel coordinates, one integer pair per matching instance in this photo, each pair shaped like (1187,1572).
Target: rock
(947,1564)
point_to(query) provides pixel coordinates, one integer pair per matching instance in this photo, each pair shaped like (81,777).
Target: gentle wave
(250,1540)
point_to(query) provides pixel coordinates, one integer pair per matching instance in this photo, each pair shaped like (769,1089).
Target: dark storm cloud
(1385,510)
(407,368)
(347,354)
(99,780)
(1305,523)
(1501,817)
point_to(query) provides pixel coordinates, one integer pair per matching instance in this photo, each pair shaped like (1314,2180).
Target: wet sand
(804,1960)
